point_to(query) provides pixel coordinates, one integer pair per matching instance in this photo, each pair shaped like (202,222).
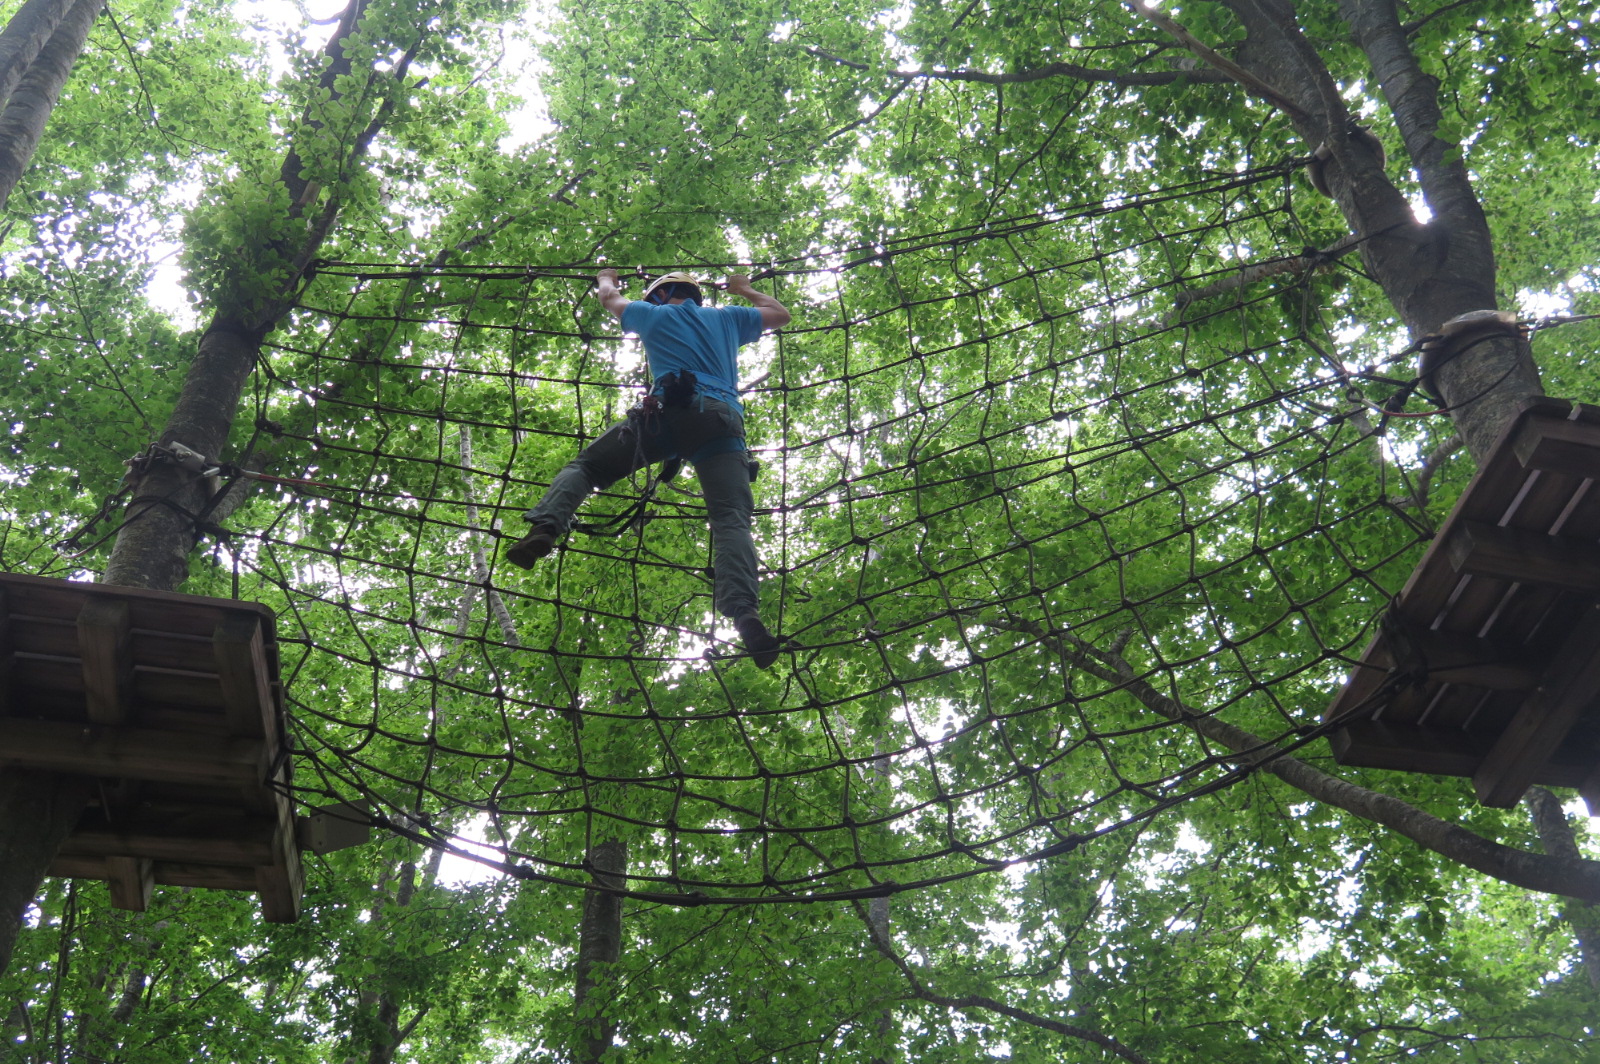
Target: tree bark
(389,1034)
(29,106)
(1431,271)
(876,779)
(37,812)
(1486,384)
(23,37)
(152,550)
(599,943)
(1550,820)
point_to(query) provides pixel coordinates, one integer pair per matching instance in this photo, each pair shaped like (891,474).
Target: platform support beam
(130,753)
(282,882)
(6,652)
(241,659)
(1552,446)
(132,880)
(1544,720)
(105,643)
(1527,557)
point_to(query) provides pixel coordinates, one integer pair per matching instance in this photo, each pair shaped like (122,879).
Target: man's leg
(617,453)
(725,483)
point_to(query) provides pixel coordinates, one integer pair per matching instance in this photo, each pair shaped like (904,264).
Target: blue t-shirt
(703,340)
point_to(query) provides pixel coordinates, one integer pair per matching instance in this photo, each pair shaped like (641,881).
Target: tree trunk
(1550,820)
(599,943)
(388,1032)
(1431,271)
(166,517)
(878,930)
(876,778)
(23,37)
(37,812)
(37,89)
(152,550)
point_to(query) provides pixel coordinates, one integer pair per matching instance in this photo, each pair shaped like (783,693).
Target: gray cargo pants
(644,438)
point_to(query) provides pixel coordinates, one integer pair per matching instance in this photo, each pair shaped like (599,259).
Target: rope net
(1025,496)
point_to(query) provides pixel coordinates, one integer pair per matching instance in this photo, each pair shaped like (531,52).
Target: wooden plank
(132,880)
(169,611)
(1407,747)
(177,688)
(131,753)
(1541,616)
(1485,713)
(242,669)
(1363,682)
(281,883)
(119,799)
(165,873)
(1529,741)
(335,827)
(1528,557)
(1538,618)
(170,650)
(214,877)
(1443,752)
(198,721)
(105,646)
(1559,446)
(1406,705)
(70,867)
(250,845)
(1548,509)
(1538,508)
(7,653)
(51,635)
(44,635)
(1486,498)
(1464,659)
(1430,587)
(39,682)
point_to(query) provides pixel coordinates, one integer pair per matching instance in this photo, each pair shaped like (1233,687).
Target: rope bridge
(1035,495)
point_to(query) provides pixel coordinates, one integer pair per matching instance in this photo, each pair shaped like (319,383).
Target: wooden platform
(172,703)
(1489,664)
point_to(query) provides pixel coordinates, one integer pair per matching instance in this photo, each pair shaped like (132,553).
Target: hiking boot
(540,540)
(760,644)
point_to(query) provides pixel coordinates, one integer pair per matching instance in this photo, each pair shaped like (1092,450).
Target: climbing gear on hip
(675,389)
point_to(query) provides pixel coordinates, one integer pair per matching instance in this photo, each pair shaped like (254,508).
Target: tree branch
(1310,259)
(894,95)
(967,1002)
(1416,24)
(1430,467)
(300,190)
(1574,877)
(1019,77)
(1231,70)
(1413,98)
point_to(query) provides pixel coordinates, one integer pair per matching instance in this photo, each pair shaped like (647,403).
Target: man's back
(702,340)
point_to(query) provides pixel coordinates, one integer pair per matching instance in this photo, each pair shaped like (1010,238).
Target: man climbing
(693,413)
